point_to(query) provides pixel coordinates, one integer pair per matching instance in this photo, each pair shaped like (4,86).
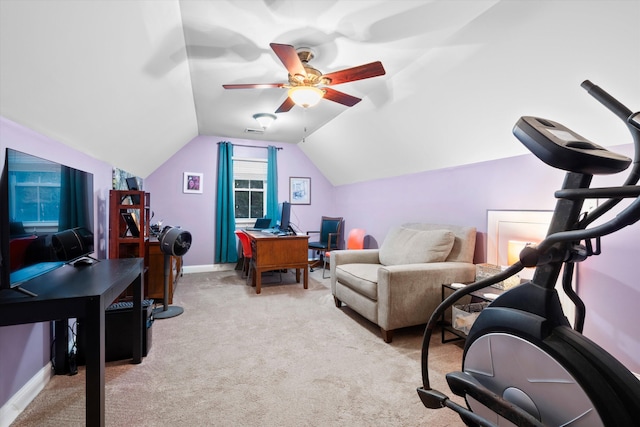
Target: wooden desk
(271,252)
(155,272)
(82,292)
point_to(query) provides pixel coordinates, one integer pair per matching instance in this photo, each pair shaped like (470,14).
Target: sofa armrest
(354,256)
(408,294)
(350,256)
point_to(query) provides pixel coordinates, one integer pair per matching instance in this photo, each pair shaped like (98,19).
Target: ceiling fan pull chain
(304,124)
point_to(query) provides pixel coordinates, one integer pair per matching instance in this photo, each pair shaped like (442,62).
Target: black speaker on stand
(173,242)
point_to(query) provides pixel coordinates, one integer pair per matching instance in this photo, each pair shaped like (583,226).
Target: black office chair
(330,238)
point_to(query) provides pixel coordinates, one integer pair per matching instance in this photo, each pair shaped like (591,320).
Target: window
(249,198)
(36,193)
(250,189)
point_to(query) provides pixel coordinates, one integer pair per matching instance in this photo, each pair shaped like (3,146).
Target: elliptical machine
(523,364)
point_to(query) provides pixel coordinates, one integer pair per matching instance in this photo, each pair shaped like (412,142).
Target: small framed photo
(192,182)
(299,190)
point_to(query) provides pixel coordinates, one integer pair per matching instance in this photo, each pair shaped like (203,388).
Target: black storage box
(117,331)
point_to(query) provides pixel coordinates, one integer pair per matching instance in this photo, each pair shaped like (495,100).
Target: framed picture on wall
(299,190)
(192,182)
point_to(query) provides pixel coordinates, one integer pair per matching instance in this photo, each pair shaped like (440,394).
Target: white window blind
(252,169)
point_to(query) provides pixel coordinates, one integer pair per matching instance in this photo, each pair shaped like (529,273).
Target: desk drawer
(279,251)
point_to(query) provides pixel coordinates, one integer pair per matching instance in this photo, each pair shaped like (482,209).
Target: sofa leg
(337,301)
(387,336)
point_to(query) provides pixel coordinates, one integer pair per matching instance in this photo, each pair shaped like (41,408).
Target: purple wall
(196,212)
(24,349)
(458,195)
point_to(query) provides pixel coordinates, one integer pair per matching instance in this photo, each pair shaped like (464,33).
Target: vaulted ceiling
(131,82)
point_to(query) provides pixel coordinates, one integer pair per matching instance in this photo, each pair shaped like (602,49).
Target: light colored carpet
(286,357)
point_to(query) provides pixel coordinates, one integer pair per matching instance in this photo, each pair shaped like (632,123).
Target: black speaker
(118,333)
(73,243)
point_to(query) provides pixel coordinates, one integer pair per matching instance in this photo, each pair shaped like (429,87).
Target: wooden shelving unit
(124,242)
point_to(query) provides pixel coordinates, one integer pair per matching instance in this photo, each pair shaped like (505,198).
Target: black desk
(83,292)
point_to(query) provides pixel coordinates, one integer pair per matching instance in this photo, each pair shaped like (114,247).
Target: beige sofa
(400,284)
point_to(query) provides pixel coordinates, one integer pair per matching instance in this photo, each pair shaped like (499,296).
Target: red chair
(246,253)
(355,240)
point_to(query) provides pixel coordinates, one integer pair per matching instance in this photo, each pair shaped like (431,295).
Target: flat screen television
(46,217)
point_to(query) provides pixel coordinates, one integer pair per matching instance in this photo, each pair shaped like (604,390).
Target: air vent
(250,130)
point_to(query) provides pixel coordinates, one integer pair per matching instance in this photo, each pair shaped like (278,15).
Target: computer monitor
(285,216)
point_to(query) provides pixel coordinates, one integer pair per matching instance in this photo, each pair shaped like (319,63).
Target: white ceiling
(228,42)
(131,82)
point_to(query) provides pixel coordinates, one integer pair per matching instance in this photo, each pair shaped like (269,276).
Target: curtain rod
(251,146)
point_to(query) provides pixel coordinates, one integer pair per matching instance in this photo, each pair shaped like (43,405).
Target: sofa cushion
(410,246)
(464,243)
(362,278)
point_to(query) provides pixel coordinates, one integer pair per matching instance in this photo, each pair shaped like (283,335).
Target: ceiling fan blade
(340,97)
(361,72)
(289,58)
(253,85)
(286,106)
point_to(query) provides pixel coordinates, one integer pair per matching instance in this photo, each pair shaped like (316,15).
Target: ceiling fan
(307,85)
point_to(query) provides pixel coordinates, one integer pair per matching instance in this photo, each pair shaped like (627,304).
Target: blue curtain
(74,200)
(226,246)
(272,185)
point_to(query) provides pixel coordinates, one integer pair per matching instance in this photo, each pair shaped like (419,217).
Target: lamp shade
(305,96)
(265,119)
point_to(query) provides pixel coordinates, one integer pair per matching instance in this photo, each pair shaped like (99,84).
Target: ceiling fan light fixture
(264,119)
(305,96)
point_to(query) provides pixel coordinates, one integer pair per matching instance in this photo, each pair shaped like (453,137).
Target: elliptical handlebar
(630,120)
(615,106)
(532,256)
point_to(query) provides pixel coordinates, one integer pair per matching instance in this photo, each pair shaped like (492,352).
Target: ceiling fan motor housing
(313,77)
(302,75)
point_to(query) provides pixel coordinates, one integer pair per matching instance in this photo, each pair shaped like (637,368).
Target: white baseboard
(207,268)
(19,401)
